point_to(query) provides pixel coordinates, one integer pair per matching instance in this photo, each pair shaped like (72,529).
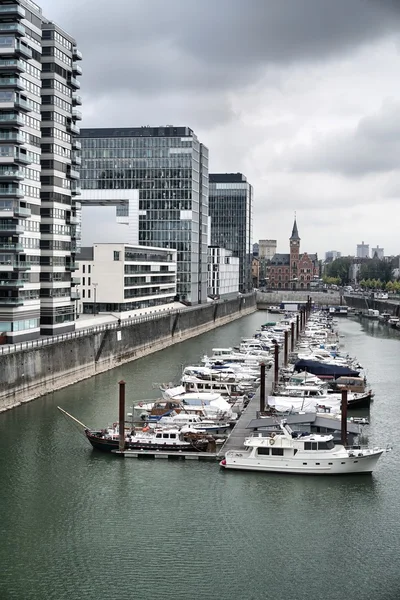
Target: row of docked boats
(304,429)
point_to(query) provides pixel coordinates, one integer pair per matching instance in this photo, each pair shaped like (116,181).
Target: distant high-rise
(157,177)
(332,255)
(267,249)
(377,253)
(362,250)
(231,212)
(38,176)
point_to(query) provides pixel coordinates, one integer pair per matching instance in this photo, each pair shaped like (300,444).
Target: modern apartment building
(332,255)
(38,68)
(223,273)
(118,278)
(378,253)
(157,177)
(267,249)
(231,212)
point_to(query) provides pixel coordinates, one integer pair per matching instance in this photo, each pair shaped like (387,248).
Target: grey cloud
(372,147)
(148,45)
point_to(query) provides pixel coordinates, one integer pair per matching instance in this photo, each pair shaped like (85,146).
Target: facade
(231,212)
(158,179)
(362,250)
(38,181)
(332,255)
(117,278)
(378,253)
(255,271)
(294,270)
(256,249)
(267,249)
(223,273)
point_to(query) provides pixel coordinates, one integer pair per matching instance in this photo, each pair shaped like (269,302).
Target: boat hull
(328,466)
(108,445)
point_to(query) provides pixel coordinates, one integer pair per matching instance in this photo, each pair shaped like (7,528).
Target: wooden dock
(166,455)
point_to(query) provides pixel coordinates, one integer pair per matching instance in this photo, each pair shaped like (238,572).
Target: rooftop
(118,132)
(227,178)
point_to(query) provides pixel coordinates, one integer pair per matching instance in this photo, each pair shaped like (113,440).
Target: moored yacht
(300,452)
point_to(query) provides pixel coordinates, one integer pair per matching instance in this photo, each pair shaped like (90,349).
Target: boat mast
(73,418)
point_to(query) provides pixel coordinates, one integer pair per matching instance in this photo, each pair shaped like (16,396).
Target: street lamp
(95,296)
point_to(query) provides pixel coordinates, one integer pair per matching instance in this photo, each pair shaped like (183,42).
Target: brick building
(293,270)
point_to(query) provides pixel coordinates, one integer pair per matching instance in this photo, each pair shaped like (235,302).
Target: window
(83,293)
(263,451)
(277,451)
(165,435)
(88,293)
(89,269)
(83,279)
(88,280)
(310,446)
(116,255)
(83,269)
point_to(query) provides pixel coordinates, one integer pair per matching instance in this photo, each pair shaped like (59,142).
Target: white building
(223,272)
(362,250)
(116,278)
(267,249)
(379,252)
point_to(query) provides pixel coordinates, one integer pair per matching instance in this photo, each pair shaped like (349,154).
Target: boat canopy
(324,369)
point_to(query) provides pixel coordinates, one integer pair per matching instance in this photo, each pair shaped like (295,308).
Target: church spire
(295,233)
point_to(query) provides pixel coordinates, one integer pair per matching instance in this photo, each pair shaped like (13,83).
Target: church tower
(294,255)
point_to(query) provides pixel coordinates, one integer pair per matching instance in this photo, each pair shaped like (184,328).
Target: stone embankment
(265,299)
(41,367)
(364,302)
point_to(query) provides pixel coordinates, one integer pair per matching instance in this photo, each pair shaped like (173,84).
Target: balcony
(75,280)
(12,64)
(77,69)
(22,104)
(11,120)
(11,192)
(12,283)
(12,228)
(72,266)
(11,247)
(76,188)
(73,174)
(15,28)
(22,158)
(73,128)
(12,82)
(76,159)
(10,174)
(20,265)
(12,10)
(75,296)
(23,49)
(76,99)
(15,301)
(76,54)
(76,114)
(74,83)
(12,136)
(22,212)
(76,144)
(73,220)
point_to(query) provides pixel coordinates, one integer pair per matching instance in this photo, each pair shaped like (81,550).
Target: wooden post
(121,428)
(297,327)
(292,337)
(344,418)
(286,348)
(276,366)
(262,388)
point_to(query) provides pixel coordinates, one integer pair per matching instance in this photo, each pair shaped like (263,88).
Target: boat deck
(161,454)
(241,431)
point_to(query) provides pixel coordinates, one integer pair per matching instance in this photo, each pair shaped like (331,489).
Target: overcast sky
(302,96)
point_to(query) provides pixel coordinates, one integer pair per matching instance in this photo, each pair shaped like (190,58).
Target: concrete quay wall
(265,299)
(29,373)
(364,303)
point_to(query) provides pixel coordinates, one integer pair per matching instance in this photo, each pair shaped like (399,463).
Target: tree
(340,269)
(377,269)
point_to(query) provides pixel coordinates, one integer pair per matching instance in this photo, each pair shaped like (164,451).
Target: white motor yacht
(300,452)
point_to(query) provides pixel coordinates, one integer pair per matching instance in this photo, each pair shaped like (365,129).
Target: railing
(20,346)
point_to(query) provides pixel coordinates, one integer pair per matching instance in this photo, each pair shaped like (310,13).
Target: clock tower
(294,256)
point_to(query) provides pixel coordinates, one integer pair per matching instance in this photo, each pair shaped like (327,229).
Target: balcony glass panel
(13,9)
(10,117)
(7,41)
(11,81)
(12,63)
(12,27)
(7,96)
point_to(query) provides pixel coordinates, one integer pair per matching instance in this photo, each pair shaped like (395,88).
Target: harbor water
(77,524)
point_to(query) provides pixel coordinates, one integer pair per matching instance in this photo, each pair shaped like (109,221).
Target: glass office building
(169,168)
(231,212)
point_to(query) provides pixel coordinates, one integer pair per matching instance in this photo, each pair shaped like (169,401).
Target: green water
(76,524)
